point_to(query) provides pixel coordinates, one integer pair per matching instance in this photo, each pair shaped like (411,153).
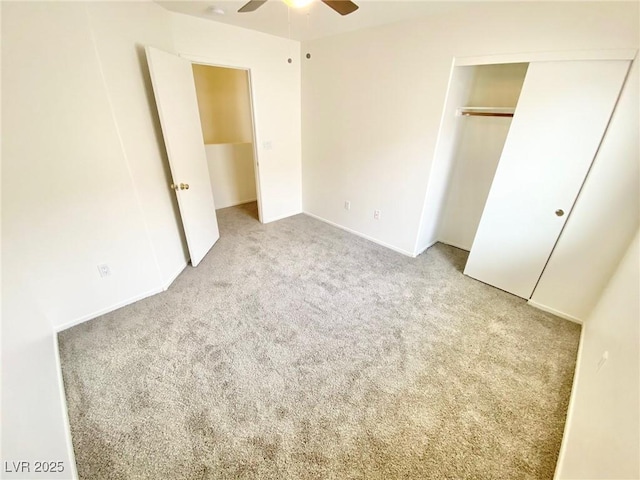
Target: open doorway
(485,98)
(226,117)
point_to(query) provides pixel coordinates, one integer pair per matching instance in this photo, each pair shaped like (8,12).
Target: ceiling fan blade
(343,7)
(252,6)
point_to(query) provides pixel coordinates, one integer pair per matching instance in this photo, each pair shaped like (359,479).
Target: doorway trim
(200,60)
(560,56)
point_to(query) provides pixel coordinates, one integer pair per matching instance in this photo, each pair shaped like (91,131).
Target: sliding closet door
(562,113)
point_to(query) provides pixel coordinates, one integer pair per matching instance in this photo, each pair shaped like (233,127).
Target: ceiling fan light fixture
(343,7)
(215,10)
(297,3)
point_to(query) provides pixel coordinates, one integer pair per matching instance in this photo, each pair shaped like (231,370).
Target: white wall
(121,30)
(602,435)
(85,182)
(71,198)
(366,133)
(441,174)
(373,99)
(231,172)
(69,204)
(34,415)
(276,100)
(604,219)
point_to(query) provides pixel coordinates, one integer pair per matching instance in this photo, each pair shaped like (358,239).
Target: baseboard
(426,248)
(239,202)
(456,245)
(557,313)
(65,408)
(445,242)
(173,277)
(106,310)
(281,217)
(570,408)
(362,235)
(124,303)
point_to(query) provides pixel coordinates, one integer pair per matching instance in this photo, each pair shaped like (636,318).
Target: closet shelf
(485,111)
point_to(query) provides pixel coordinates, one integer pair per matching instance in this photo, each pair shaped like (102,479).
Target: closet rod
(486,111)
(486,114)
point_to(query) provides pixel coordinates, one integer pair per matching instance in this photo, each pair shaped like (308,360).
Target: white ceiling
(315,21)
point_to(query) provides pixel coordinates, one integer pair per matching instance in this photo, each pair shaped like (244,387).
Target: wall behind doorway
(224,103)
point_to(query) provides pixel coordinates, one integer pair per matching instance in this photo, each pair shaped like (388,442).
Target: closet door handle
(559,212)
(184,186)
(174,186)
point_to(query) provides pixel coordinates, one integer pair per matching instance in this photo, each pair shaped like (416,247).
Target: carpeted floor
(299,351)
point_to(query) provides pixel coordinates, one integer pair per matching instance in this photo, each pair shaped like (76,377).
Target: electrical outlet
(347,205)
(376,214)
(104,270)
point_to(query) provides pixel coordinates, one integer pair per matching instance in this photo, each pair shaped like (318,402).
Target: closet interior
(484,99)
(224,104)
(524,138)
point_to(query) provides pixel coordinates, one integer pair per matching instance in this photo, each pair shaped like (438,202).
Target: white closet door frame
(562,114)
(559,56)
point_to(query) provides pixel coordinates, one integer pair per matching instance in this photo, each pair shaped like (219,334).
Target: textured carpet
(299,351)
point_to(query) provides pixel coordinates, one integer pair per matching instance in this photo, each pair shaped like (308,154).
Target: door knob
(174,186)
(559,212)
(184,186)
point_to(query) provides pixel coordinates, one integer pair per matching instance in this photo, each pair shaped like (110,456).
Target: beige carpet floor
(299,351)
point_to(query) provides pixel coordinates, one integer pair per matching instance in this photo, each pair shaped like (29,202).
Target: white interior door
(562,113)
(175,92)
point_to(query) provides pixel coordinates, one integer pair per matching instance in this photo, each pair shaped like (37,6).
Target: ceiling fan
(343,7)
